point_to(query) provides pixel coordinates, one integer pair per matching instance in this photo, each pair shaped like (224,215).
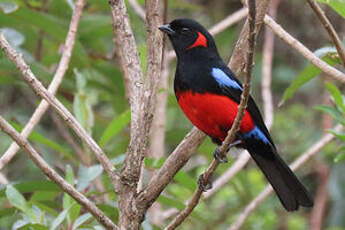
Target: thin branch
(238,58)
(317,215)
(294,43)
(138,9)
(235,126)
(64,132)
(3,179)
(172,165)
(39,89)
(46,169)
(315,148)
(54,85)
(328,26)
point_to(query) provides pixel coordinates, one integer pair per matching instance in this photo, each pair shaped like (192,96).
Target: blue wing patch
(257,134)
(223,79)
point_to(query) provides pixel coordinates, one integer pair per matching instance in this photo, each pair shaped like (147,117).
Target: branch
(294,43)
(315,148)
(235,126)
(39,89)
(46,169)
(328,26)
(138,9)
(238,58)
(54,85)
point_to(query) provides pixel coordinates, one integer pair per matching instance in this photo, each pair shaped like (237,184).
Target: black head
(188,36)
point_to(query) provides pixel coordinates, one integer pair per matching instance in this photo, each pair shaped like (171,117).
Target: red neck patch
(200,41)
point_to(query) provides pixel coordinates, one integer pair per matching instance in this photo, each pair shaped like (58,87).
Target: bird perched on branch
(209,94)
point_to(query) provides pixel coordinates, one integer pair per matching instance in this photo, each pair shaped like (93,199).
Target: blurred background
(94,90)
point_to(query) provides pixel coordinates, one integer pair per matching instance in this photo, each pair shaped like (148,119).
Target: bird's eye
(185,29)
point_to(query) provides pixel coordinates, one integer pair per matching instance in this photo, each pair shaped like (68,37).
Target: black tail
(289,189)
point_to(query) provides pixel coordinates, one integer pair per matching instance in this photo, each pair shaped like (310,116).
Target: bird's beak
(166,29)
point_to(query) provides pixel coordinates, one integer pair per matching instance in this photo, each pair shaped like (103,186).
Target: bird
(209,93)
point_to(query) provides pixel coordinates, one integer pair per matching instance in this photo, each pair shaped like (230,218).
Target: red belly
(212,114)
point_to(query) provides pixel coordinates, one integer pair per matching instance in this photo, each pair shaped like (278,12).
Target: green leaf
(336,114)
(339,135)
(33,186)
(171,202)
(336,94)
(306,75)
(59,219)
(337,5)
(35,136)
(8,7)
(16,198)
(115,126)
(184,179)
(81,220)
(87,175)
(81,105)
(340,157)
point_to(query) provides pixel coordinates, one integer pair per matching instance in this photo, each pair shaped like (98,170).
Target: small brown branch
(172,165)
(64,132)
(318,213)
(54,85)
(49,172)
(235,126)
(238,58)
(267,59)
(3,179)
(305,157)
(39,89)
(138,9)
(310,56)
(330,29)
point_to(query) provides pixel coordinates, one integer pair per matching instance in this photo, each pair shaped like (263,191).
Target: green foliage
(337,5)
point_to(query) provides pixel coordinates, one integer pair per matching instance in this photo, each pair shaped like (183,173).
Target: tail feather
(289,189)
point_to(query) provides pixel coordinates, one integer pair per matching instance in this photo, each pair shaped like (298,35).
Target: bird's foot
(217,155)
(204,187)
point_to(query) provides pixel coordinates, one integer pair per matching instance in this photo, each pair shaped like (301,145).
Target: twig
(266,76)
(315,148)
(320,204)
(138,9)
(54,85)
(328,26)
(294,43)
(64,132)
(3,179)
(46,169)
(39,89)
(238,58)
(235,126)
(172,165)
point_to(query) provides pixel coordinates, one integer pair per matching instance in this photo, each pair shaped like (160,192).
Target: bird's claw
(201,184)
(219,157)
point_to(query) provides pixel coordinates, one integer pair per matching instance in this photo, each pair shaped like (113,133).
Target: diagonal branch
(54,85)
(46,169)
(39,89)
(315,148)
(310,56)
(235,126)
(328,26)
